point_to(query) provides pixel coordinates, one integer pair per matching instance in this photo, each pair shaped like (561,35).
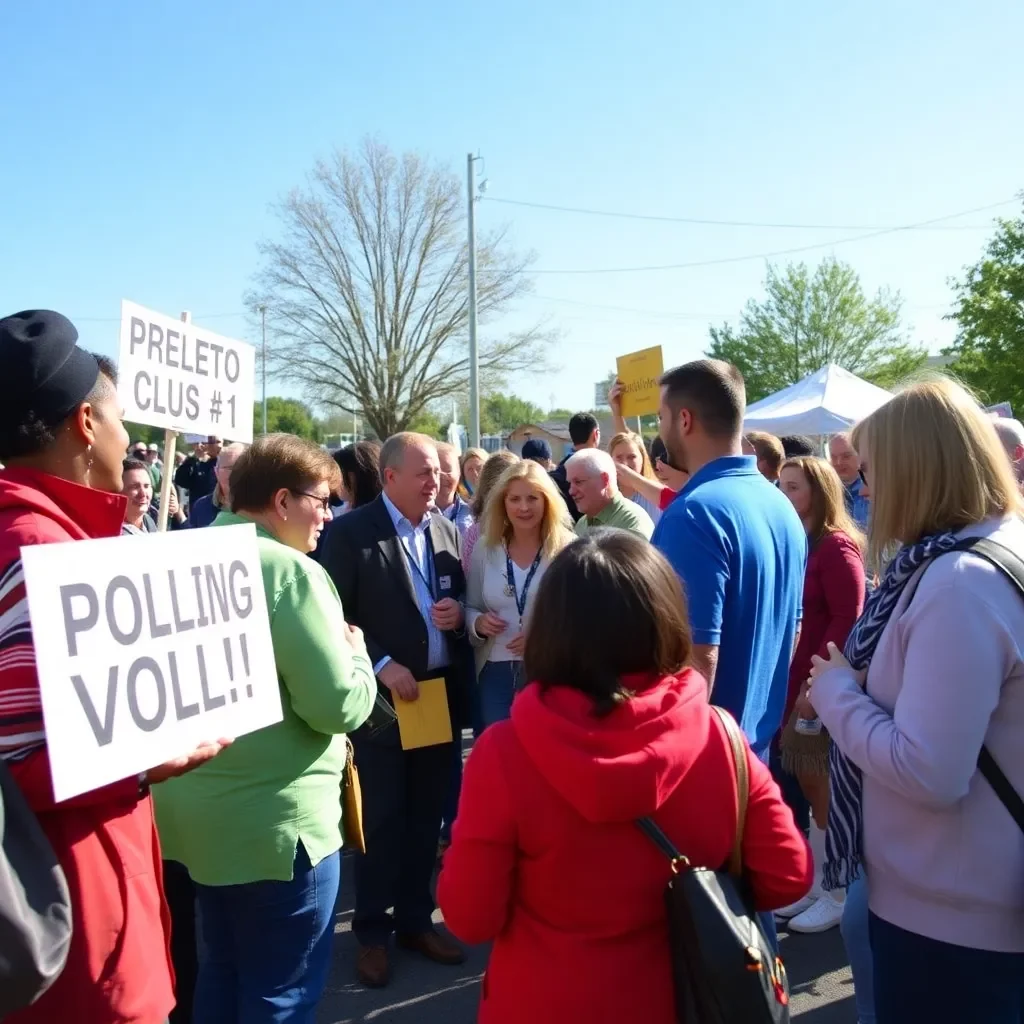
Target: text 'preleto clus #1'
(178,376)
(146,657)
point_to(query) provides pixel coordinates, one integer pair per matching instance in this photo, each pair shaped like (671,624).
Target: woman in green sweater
(260,829)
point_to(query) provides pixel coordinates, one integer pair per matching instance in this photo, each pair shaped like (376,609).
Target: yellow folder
(425,722)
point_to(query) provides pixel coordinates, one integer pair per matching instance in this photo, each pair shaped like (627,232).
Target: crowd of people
(580,619)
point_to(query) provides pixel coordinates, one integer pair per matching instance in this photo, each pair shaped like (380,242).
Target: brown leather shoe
(372,967)
(434,946)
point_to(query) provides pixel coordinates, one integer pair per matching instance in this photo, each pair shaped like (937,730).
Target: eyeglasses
(323,502)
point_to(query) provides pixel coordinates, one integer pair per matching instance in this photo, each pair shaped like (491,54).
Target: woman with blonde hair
(832,601)
(926,709)
(628,449)
(471,465)
(525,524)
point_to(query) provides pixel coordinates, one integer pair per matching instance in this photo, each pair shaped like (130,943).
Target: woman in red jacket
(61,445)
(546,859)
(833,601)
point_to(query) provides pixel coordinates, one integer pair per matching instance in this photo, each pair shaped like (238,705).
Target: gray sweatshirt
(944,857)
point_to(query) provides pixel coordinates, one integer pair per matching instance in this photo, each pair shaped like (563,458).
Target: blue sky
(144,144)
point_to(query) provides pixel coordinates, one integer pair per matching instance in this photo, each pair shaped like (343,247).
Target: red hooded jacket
(118,969)
(546,859)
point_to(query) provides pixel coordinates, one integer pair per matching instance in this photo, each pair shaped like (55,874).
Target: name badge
(445,582)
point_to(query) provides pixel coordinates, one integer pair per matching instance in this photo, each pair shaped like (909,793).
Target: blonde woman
(931,676)
(628,450)
(832,602)
(525,524)
(471,466)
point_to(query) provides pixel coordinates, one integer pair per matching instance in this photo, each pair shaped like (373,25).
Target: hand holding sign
(180,765)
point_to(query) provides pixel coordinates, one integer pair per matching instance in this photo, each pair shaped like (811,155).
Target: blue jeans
(921,979)
(854,927)
(498,683)
(267,946)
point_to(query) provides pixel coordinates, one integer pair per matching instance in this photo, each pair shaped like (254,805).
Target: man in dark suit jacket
(398,570)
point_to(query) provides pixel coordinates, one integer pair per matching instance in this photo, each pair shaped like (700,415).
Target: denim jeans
(498,683)
(921,979)
(267,946)
(854,927)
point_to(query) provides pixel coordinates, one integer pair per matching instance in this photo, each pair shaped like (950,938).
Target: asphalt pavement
(425,993)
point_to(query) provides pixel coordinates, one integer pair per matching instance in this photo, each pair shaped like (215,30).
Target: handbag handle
(738,745)
(738,748)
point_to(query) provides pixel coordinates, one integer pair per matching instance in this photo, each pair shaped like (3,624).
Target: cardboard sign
(181,377)
(146,647)
(639,373)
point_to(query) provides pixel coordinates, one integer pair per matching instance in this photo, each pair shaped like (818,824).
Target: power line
(777,252)
(707,222)
(117,319)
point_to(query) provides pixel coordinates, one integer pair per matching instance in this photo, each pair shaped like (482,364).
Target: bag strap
(1011,565)
(738,745)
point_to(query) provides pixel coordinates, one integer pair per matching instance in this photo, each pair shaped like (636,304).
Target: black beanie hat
(42,371)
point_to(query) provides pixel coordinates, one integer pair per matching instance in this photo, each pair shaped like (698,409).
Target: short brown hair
(279,461)
(712,390)
(608,607)
(768,448)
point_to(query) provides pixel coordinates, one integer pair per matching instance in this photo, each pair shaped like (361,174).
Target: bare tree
(367,290)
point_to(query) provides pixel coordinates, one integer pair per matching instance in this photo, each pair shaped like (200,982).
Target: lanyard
(415,565)
(511,590)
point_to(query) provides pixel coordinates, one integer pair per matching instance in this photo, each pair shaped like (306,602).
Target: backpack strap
(1011,565)
(738,746)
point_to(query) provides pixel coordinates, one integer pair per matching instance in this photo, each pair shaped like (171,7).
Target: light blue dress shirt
(417,549)
(460,513)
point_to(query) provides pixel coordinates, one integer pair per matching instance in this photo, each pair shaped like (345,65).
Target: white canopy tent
(829,400)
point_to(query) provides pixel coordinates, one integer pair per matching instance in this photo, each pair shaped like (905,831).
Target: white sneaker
(795,909)
(825,914)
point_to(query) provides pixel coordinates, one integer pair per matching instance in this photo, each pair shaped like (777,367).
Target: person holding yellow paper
(399,572)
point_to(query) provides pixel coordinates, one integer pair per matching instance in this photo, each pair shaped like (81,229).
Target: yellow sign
(639,373)
(425,722)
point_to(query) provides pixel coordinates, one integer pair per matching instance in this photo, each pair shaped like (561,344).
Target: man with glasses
(448,502)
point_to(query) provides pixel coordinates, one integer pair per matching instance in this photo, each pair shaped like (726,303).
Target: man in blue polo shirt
(738,547)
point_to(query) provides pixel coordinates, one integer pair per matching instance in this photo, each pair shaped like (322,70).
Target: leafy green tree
(506,412)
(808,320)
(286,416)
(988,353)
(151,435)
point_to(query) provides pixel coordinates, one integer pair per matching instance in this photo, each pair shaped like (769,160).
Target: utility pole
(474,355)
(263,316)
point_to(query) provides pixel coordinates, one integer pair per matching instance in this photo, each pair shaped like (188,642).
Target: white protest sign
(147,646)
(184,378)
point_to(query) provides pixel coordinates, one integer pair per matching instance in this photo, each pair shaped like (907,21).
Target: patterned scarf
(844,835)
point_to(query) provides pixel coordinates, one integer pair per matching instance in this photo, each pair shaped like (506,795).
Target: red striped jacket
(118,969)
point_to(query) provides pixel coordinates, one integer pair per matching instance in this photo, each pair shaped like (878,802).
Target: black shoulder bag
(725,970)
(35,908)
